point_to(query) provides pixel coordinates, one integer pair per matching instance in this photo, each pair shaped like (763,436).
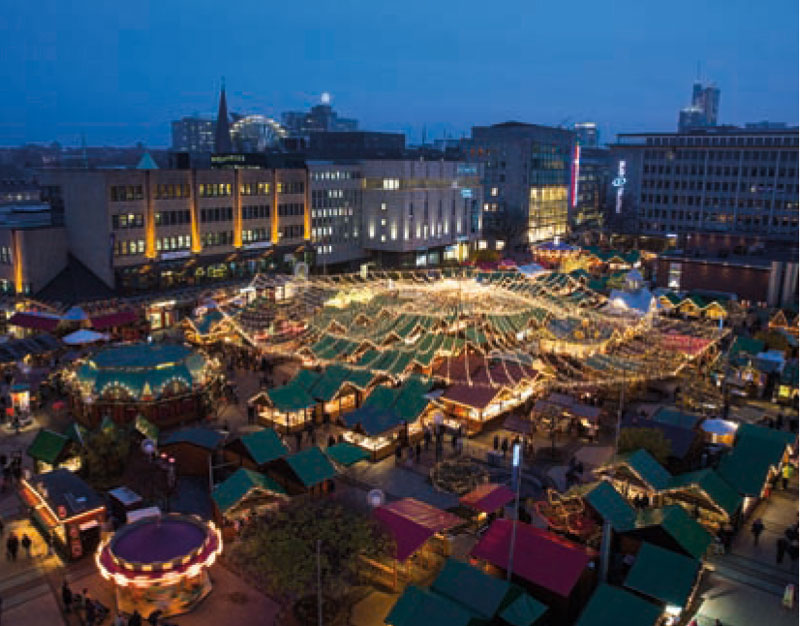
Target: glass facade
(549,183)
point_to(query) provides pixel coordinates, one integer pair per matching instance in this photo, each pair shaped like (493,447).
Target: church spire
(222,138)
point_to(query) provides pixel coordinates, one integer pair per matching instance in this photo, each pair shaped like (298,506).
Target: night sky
(120,71)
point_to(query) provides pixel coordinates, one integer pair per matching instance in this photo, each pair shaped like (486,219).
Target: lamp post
(516,477)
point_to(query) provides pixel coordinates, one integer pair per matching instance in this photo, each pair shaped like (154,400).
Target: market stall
(160,563)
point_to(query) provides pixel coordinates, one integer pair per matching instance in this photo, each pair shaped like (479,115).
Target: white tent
(83,336)
(75,314)
(639,302)
(531,269)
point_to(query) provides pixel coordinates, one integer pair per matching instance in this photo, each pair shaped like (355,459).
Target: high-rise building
(703,110)
(193,134)
(527,169)
(587,134)
(321,118)
(222,132)
(591,176)
(738,182)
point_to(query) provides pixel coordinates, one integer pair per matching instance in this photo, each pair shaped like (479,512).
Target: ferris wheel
(256,133)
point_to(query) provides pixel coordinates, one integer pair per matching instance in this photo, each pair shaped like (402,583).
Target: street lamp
(516,481)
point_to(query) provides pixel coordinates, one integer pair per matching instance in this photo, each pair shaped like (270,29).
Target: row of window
(291,232)
(261,211)
(722,141)
(291,208)
(693,170)
(297,186)
(741,203)
(168,244)
(721,155)
(127,220)
(6,256)
(127,247)
(255,234)
(335,175)
(216,214)
(697,185)
(254,189)
(121,193)
(218,238)
(696,216)
(169,192)
(173,218)
(214,190)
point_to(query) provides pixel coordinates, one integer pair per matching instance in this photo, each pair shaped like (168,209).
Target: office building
(738,184)
(527,169)
(356,145)
(587,134)
(194,135)
(320,118)
(140,229)
(591,177)
(703,110)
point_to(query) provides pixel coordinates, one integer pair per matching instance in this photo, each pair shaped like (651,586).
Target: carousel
(165,383)
(160,563)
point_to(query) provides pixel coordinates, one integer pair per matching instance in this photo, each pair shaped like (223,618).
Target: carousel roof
(143,370)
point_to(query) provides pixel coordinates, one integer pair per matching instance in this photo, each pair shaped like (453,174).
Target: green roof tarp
(677,523)
(345,453)
(748,345)
(611,506)
(709,481)
(612,606)
(523,611)
(311,466)
(762,432)
(238,485)
(417,607)
(47,446)
(672,417)
(663,575)
(747,466)
(290,398)
(197,436)
(646,467)
(77,433)
(264,445)
(471,587)
(306,379)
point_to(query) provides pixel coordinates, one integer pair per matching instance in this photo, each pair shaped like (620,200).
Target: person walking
(2,526)
(119,620)
(781,546)
(756,529)
(135,619)
(26,544)
(66,596)
(418,450)
(12,546)
(786,474)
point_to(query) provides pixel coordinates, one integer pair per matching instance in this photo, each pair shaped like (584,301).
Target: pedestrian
(153,618)
(26,544)
(786,474)
(66,596)
(398,454)
(90,611)
(779,422)
(2,526)
(781,546)
(135,619)
(331,440)
(504,446)
(12,546)
(792,534)
(756,529)
(428,438)
(496,442)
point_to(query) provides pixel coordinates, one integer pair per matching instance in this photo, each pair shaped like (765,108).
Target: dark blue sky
(120,71)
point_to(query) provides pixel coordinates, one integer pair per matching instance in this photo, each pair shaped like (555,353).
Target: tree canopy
(281,549)
(651,439)
(105,453)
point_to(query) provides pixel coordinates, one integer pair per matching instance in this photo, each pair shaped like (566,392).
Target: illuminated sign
(180,254)
(619,183)
(257,244)
(466,193)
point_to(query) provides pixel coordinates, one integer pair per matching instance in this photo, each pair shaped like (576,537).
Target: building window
(493,192)
(391,183)
(124,193)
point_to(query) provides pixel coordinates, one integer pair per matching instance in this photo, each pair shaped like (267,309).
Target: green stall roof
(470,587)
(523,610)
(611,506)
(663,574)
(290,398)
(677,523)
(264,445)
(311,466)
(417,607)
(612,606)
(747,466)
(238,485)
(709,481)
(645,466)
(346,454)
(47,446)
(673,417)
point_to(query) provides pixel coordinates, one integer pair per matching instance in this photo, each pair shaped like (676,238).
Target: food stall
(65,508)
(160,563)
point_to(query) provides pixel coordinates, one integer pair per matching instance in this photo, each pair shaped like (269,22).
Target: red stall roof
(111,320)
(412,523)
(540,557)
(476,397)
(36,322)
(488,497)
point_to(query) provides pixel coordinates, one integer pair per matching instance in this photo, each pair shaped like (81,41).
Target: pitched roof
(663,574)
(412,523)
(311,466)
(473,396)
(523,611)
(488,497)
(345,453)
(471,587)
(238,485)
(762,432)
(201,437)
(47,446)
(748,345)
(746,467)
(679,525)
(540,557)
(34,321)
(290,398)
(673,417)
(611,606)
(417,606)
(709,481)
(611,506)
(642,463)
(264,445)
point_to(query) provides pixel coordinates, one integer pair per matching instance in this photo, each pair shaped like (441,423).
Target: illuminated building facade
(591,178)
(725,181)
(148,229)
(527,168)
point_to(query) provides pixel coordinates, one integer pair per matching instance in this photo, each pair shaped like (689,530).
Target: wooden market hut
(635,473)
(51,450)
(488,500)
(243,492)
(307,471)
(612,605)
(552,569)
(288,409)
(705,493)
(475,405)
(346,454)
(669,527)
(666,577)
(256,450)
(193,449)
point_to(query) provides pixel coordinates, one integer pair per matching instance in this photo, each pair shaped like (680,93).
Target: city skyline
(120,77)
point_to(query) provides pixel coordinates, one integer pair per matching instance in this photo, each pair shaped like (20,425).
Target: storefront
(65,508)
(160,563)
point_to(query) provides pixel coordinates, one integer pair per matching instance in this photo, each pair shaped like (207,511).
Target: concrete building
(193,134)
(724,181)
(33,247)
(527,168)
(356,145)
(320,118)
(587,134)
(143,229)
(591,177)
(703,110)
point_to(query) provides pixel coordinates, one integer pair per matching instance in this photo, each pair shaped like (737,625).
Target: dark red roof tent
(36,322)
(112,320)
(540,557)
(488,497)
(412,523)
(474,396)
(457,369)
